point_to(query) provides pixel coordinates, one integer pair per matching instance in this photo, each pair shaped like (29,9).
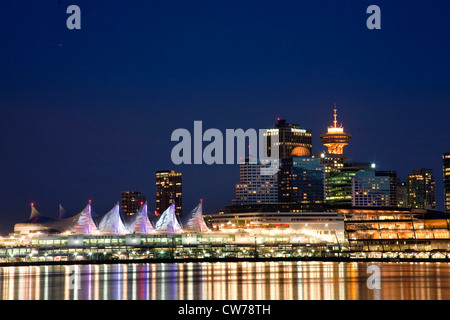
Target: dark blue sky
(88,113)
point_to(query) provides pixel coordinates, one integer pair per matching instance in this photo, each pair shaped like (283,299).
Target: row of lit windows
(441,234)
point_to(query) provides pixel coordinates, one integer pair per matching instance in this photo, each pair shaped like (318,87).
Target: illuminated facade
(421,189)
(254,188)
(168,190)
(332,162)
(290,136)
(131,202)
(370,190)
(446,161)
(407,231)
(339,183)
(338,175)
(304,227)
(335,139)
(394,183)
(113,222)
(301,180)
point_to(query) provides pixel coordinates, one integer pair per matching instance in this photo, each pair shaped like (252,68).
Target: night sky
(88,113)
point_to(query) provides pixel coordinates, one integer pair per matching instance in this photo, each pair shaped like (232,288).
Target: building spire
(335,116)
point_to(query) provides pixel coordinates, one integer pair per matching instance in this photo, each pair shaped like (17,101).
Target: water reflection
(235,281)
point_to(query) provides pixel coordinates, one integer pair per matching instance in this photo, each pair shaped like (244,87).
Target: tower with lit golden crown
(338,187)
(335,139)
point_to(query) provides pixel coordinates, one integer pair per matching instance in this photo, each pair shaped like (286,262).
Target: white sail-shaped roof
(141,222)
(82,223)
(112,222)
(196,221)
(85,223)
(168,220)
(37,217)
(36,223)
(34,213)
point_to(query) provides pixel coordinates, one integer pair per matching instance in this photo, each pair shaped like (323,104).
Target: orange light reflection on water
(225,280)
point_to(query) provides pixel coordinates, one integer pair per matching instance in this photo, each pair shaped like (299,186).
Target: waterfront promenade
(211,252)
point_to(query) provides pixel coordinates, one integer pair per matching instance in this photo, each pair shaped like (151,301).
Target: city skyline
(88,113)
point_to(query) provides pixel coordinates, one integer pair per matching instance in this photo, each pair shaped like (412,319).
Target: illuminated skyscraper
(335,140)
(339,183)
(131,202)
(338,174)
(393,187)
(290,136)
(402,195)
(446,160)
(371,190)
(254,188)
(301,179)
(168,190)
(421,189)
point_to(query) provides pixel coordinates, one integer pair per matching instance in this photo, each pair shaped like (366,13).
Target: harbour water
(226,281)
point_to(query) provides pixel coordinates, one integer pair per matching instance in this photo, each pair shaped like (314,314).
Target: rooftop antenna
(335,116)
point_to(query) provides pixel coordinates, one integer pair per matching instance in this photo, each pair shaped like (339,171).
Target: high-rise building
(254,188)
(131,202)
(301,179)
(332,162)
(402,195)
(290,136)
(446,160)
(371,190)
(393,187)
(335,139)
(168,190)
(421,189)
(338,187)
(339,183)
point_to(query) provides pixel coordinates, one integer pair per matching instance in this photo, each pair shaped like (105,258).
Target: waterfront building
(304,227)
(164,247)
(370,190)
(37,222)
(113,222)
(421,189)
(301,178)
(446,162)
(169,190)
(290,136)
(276,207)
(404,230)
(254,188)
(131,202)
